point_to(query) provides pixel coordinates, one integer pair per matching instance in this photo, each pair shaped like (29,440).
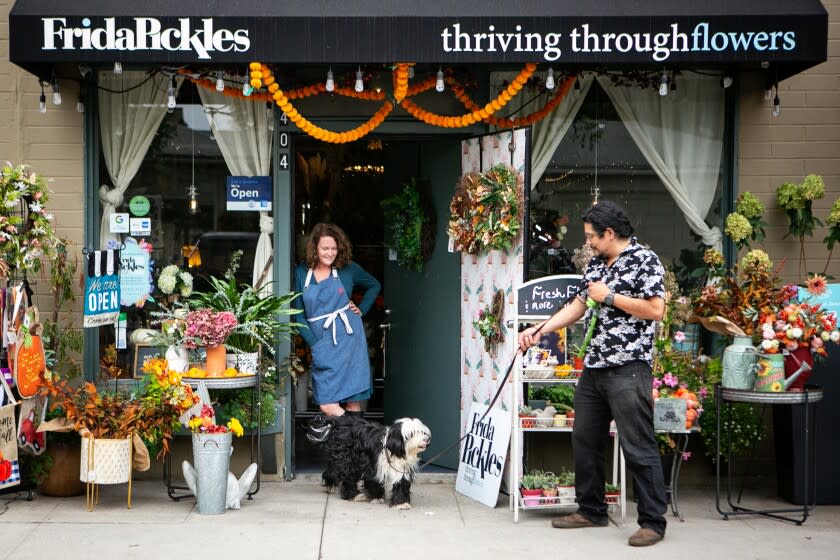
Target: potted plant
(612,492)
(566,487)
(253,340)
(211,458)
(549,489)
(527,417)
(531,487)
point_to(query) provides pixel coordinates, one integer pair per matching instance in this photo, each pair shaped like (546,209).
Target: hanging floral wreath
(486,211)
(26,230)
(410,226)
(489,323)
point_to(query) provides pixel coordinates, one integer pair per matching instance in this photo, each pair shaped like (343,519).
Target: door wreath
(486,210)
(410,225)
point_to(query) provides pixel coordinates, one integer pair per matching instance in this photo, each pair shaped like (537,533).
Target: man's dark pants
(625,394)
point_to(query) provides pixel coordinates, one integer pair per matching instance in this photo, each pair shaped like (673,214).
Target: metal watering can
(770,373)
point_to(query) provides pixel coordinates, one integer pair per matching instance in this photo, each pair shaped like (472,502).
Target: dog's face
(408,438)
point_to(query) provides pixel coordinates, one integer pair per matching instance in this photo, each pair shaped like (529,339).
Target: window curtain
(546,134)
(128,121)
(681,136)
(243,131)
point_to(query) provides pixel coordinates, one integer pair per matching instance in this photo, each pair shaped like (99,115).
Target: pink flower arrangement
(208,328)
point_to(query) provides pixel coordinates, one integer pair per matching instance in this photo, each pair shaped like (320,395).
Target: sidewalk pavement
(300,520)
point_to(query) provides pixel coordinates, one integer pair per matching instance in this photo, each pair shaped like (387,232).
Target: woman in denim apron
(336,335)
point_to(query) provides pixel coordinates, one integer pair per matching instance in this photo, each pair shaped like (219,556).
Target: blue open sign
(249,194)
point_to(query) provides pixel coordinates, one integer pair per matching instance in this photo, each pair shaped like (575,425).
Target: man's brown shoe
(574,521)
(644,537)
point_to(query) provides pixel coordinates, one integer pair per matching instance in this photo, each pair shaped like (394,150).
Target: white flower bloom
(767,344)
(835,336)
(187,279)
(186,291)
(49,217)
(170,270)
(825,335)
(35,207)
(797,332)
(166,283)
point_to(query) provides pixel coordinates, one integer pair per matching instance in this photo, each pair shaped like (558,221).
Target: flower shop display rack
(806,400)
(536,301)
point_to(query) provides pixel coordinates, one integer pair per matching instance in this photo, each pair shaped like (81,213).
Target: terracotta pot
(216,360)
(792,364)
(63,480)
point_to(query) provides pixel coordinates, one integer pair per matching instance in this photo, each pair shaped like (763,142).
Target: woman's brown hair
(345,249)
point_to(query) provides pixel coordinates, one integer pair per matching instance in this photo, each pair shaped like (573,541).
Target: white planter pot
(178,358)
(244,363)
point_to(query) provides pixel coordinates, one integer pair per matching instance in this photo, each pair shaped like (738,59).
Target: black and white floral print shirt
(619,337)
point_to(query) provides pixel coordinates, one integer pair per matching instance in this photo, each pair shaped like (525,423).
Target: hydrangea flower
(737,227)
(749,206)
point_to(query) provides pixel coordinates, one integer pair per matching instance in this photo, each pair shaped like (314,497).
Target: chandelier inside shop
(261,85)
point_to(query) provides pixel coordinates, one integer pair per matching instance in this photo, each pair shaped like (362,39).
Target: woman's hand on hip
(355,308)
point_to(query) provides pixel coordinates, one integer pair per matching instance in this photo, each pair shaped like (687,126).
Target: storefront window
(598,157)
(201,237)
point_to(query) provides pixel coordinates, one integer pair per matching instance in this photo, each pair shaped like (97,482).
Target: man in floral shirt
(625,286)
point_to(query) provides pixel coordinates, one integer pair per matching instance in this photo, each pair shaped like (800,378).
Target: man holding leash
(625,289)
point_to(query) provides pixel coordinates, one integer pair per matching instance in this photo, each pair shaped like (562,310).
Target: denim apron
(340,362)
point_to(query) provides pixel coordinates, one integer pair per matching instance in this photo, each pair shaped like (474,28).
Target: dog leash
(563,304)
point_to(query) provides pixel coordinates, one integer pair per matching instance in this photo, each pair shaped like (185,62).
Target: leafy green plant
(406,221)
(561,396)
(612,488)
(566,478)
(257,316)
(746,428)
(534,480)
(63,342)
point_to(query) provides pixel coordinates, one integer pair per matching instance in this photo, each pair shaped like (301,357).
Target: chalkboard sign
(141,353)
(545,296)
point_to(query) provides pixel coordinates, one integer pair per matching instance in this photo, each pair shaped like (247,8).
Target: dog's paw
(378,501)
(361,498)
(402,506)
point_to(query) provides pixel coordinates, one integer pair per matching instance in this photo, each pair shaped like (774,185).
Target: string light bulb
(777,105)
(360,83)
(118,67)
(410,72)
(577,84)
(549,80)
(330,85)
(768,94)
(56,92)
(220,81)
(170,100)
(726,81)
(439,85)
(663,84)
(80,105)
(247,88)
(42,100)
(193,203)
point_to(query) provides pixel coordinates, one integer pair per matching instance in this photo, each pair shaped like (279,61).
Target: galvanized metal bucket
(211,457)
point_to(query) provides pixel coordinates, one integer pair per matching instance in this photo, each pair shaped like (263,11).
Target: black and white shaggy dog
(366,458)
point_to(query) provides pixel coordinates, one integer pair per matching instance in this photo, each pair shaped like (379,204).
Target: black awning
(790,35)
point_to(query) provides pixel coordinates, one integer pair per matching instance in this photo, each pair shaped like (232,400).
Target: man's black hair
(608,214)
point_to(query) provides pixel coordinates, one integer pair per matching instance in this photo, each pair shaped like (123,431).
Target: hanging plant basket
(410,226)
(486,211)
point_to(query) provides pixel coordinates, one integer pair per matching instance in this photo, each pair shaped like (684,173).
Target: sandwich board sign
(481,462)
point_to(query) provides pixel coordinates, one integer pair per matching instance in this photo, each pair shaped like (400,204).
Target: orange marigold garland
(260,75)
(478,114)
(401,81)
(530,119)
